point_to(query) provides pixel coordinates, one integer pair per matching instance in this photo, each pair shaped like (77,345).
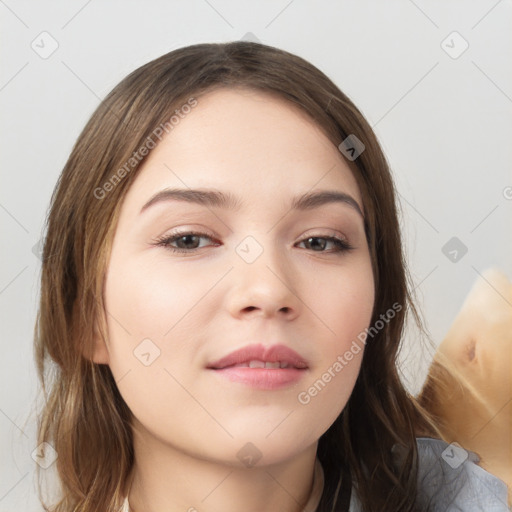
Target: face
(201,293)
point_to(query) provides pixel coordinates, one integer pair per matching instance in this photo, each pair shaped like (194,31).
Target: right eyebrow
(206,197)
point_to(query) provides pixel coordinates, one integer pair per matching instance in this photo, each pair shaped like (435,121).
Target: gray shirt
(451,481)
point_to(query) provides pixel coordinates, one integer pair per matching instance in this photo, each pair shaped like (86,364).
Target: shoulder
(450,480)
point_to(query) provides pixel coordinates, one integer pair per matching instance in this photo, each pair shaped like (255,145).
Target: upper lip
(271,354)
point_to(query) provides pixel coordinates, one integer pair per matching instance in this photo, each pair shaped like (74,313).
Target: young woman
(222,303)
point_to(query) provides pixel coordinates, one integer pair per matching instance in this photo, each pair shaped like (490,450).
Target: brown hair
(84,416)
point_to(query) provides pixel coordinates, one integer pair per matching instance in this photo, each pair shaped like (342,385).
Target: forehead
(253,143)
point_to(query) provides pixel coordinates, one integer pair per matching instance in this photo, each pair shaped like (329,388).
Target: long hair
(84,416)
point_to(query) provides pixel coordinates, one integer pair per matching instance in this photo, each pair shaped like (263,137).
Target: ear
(97,350)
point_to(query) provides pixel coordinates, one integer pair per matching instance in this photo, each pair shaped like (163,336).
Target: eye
(320,242)
(186,241)
(189,242)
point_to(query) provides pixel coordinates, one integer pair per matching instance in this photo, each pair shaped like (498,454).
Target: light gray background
(445,124)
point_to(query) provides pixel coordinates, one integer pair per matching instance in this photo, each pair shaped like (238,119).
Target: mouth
(262,367)
(255,363)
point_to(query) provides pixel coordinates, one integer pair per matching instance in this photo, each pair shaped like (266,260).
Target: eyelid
(330,232)
(341,241)
(165,239)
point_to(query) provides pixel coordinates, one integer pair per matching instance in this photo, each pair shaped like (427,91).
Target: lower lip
(262,378)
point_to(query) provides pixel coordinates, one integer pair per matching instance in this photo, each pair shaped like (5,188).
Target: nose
(266,288)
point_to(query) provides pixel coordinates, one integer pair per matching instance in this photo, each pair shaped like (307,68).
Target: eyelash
(342,246)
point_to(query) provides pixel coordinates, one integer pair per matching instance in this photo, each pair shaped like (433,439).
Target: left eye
(339,244)
(187,242)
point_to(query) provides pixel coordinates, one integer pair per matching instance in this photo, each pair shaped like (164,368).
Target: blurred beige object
(469,384)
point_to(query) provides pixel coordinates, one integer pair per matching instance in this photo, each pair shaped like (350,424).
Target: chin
(253,448)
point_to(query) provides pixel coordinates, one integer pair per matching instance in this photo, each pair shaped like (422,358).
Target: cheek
(150,333)
(175,308)
(152,336)
(344,302)
(152,300)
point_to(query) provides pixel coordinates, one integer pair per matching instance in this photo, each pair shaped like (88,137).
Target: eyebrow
(218,199)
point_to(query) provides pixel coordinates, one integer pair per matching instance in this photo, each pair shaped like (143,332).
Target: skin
(189,423)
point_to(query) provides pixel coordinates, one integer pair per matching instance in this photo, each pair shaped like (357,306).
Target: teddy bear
(468,389)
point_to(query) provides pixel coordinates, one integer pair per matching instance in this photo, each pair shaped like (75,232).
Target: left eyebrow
(218,199)
(313,200)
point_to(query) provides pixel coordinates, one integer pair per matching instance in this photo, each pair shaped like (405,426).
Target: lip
(262,378)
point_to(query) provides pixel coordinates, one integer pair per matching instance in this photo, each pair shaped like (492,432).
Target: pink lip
(263,378)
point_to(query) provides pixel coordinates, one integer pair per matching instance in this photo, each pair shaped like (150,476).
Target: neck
(165,479)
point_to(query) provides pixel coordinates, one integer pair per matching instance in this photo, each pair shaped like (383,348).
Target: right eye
(187,241)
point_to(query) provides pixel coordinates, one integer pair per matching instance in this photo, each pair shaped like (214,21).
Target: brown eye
(185,242)
(319,243)
(189,242)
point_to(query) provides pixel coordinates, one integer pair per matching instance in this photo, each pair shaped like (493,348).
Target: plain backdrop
(433,78)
